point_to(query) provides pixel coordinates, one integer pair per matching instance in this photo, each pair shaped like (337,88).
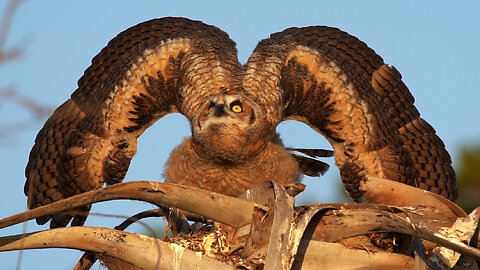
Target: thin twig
(20,252)
(5,24)
(38,109)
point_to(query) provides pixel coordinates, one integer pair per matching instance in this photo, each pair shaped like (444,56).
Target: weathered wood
(321,255)
(259,234)
(388,192)
(419,255)
(353,222)
(461,231)
(140,250)
(89,258)
(225,209)
(278,253)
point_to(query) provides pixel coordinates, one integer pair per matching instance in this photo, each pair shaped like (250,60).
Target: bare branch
(6,55)
(38,109)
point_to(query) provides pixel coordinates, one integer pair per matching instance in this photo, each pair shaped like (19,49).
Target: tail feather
(309,166)
(313,152)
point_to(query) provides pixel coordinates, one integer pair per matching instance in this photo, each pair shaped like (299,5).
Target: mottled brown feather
(310,166)
(429,156)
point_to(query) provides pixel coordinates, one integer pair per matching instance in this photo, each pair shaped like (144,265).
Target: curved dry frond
(139,250)
(225,209)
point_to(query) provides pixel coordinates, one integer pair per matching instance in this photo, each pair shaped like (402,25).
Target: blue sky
(434,44)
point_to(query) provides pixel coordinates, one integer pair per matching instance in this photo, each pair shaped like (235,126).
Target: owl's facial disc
(228,128)
(227,110)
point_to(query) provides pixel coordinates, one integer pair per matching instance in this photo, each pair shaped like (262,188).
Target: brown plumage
(318,75)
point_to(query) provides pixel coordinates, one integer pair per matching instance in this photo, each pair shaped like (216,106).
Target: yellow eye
(237,108)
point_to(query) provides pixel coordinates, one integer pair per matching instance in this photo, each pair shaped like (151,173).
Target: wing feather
(429,156)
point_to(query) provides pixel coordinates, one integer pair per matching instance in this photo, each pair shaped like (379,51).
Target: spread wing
(342,89)
(152,69)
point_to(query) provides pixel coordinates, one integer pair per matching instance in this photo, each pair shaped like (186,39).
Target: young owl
(318,75)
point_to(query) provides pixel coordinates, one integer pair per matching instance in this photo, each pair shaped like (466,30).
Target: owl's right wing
(149,70)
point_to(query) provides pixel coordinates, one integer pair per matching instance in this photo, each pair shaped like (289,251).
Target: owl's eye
(236,108)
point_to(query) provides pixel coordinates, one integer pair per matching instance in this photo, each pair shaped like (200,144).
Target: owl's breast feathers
(186,166)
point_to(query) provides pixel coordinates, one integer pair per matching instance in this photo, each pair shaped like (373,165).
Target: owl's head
(230,127)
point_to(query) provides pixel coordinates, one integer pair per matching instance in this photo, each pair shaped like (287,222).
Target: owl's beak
(219,110)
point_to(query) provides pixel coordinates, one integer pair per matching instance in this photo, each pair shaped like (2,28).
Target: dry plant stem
(275,228)
(140,250)
(439,212)
(237,213)
(332,223)
(359,222)
(225,209)
(330,230)
(388,192)
(86,261)
(145,214)
(321,255)
(231,211)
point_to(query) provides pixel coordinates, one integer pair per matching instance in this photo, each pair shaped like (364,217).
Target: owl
(318,75)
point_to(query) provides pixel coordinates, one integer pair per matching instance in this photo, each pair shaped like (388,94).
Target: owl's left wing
(342,89)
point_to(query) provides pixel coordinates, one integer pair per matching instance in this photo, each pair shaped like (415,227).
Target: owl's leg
(177,221)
